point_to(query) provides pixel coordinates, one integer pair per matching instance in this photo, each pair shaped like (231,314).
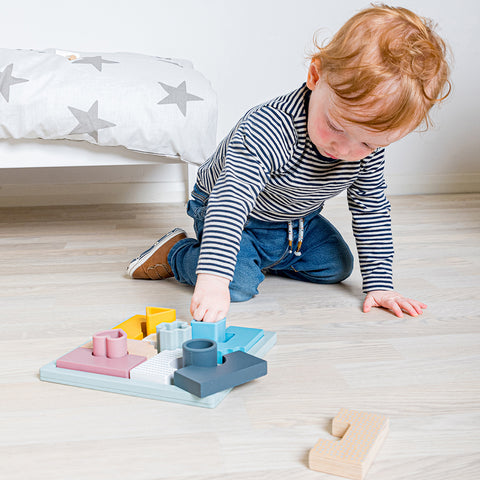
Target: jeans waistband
(199,195)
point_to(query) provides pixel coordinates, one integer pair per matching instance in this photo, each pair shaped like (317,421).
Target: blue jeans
(325,257)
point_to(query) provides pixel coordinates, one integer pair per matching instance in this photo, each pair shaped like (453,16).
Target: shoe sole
(137,262)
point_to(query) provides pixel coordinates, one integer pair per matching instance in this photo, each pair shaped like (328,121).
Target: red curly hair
(387,68)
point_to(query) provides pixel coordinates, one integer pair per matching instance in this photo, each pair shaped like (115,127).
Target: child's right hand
(211,298)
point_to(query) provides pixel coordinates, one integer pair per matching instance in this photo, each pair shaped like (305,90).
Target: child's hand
(211,298)
(394,302)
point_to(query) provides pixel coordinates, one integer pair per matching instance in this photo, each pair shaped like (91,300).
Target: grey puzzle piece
(237,368)
(172,335)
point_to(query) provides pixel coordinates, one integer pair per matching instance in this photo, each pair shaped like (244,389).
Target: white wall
(253,50)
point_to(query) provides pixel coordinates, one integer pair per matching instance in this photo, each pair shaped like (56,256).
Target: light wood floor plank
(62,278)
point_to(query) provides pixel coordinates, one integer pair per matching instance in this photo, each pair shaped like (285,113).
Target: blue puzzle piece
(239,338)
(228,340)
(238,368)
(212,330)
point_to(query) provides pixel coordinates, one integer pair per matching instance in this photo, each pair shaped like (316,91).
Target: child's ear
(313,75)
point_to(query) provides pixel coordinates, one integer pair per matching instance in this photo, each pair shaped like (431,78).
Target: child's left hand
(394,302)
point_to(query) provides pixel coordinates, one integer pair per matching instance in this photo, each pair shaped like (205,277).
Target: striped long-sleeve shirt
(268,168)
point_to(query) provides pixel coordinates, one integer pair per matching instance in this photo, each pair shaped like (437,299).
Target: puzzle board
(143,388)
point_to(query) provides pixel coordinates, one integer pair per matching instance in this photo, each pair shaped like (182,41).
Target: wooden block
(362,436)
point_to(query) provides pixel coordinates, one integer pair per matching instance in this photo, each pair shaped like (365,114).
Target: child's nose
(342,149)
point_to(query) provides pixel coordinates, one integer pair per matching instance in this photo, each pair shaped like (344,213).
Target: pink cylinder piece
(110,344)
(117,344)
(100,345)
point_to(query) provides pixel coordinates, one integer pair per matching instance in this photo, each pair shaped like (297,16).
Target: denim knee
(241,294)
(338,268)
(343,267)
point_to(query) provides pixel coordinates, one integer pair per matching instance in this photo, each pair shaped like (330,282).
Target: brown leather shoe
(152,264)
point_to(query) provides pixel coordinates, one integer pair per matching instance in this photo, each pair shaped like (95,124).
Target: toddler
(257,200)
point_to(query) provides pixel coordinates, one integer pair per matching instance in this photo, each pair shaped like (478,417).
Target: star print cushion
(149,104)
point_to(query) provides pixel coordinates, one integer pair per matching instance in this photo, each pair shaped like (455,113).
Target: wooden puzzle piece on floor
(362,434)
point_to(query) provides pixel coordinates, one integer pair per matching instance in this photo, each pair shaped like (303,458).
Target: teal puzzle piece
(229,340)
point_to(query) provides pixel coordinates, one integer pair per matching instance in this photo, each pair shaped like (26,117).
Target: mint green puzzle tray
(142,388)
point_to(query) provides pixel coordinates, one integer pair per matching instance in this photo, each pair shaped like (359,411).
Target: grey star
(95,61)
(168,60)
(178,96)
(88,122)
(7,80)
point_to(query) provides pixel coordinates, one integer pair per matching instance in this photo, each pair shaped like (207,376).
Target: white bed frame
(32,172)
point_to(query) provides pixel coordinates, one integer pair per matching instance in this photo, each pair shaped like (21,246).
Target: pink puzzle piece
(108,356)
(110,343)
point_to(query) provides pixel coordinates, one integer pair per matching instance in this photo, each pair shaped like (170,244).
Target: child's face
(333,139)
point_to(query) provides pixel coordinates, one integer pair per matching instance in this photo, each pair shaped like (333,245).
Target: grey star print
(95,61)
(168,60)
(88,122)
(178,96)
(7,80)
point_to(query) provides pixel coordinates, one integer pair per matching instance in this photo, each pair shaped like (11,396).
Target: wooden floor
(62,279)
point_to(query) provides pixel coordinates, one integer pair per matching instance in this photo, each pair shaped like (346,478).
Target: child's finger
(193,307)
(210,316)
(407,307)
(394,307)
(418,306)
(199,314)
(368,304)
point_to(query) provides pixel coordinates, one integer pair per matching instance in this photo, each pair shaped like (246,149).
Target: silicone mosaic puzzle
(159,357)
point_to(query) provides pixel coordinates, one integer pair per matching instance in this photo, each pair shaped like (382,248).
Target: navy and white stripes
(268,168)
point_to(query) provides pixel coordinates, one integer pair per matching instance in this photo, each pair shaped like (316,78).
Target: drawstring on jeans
(297,252)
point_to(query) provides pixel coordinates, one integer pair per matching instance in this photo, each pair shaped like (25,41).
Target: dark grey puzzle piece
(237,368)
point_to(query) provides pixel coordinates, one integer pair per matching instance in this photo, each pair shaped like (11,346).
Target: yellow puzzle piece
(140,326)
(362,436)
(157,315)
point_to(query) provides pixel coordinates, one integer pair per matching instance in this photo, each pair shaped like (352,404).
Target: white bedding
(154,105)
